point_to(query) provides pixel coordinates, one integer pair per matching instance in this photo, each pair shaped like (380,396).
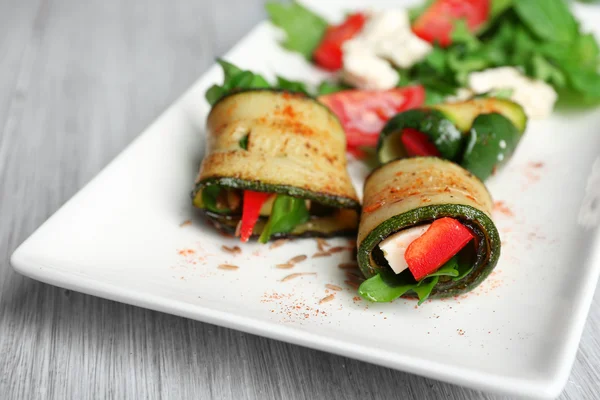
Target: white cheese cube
(395,246)
(535,96)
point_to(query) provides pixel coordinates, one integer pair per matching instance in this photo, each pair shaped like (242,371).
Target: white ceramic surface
(122,238)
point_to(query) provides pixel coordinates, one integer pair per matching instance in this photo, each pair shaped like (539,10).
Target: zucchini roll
(275,167)
(425,231)
(479,134)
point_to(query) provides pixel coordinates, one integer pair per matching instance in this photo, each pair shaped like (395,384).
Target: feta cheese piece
(386,37)
(395,246)
(535,96)
(363,69)
(389,36)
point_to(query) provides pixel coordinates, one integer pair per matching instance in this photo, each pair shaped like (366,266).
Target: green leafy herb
(234,78)
(293,86)
(244,142)
(546,71)
(210,199)
(303,27)
(327,87)
(287,213)
(462,34)
(549,19)
(387,286)
(498,7)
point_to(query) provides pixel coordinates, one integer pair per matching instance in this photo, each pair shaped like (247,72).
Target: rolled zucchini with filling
(479,134)
(425,231)
(276,167)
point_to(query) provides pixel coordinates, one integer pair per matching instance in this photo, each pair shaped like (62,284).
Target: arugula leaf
(286,214)
(327,87)
(462,34)
(549,19)
(424,288)
(234,78)
(544,70)
(293,86)
(244,142)
(586,51)
(229,70)
(210,199)
(498,7)
(387,286)
(303,27)
(586,82)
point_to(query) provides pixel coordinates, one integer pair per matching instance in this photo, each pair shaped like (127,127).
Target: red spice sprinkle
(186,252)
(186,223)
(374,206)
(536,164)
(501,207)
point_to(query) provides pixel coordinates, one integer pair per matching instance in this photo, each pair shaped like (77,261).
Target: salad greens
(304,28)
(540,37)
(387,286)
(286,214)
(235,78)
(210,199)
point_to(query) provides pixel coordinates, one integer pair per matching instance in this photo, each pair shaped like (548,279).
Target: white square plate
(120,238)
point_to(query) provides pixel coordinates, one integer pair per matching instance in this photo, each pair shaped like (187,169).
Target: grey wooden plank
(78,81)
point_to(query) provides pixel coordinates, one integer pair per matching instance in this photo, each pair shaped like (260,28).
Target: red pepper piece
(444,238)
(253,202)
(417,143)
(328,54)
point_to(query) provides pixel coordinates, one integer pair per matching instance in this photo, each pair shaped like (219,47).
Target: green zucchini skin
(257,186)
(492,140)
(416,191)
(479,134)
(463,113)
(433,123)
(323,227)
(485,230)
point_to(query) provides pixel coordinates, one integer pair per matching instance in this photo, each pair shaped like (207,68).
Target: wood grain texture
(78,81)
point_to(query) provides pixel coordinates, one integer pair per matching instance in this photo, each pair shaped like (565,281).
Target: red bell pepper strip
(444,238)
(435,25)
(253,202)
(418,144)
(328,54)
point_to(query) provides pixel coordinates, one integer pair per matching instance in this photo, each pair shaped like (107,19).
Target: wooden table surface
(78,81)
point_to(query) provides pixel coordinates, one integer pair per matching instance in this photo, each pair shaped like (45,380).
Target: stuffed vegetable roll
(275,166)
(480,134)
(425,231)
